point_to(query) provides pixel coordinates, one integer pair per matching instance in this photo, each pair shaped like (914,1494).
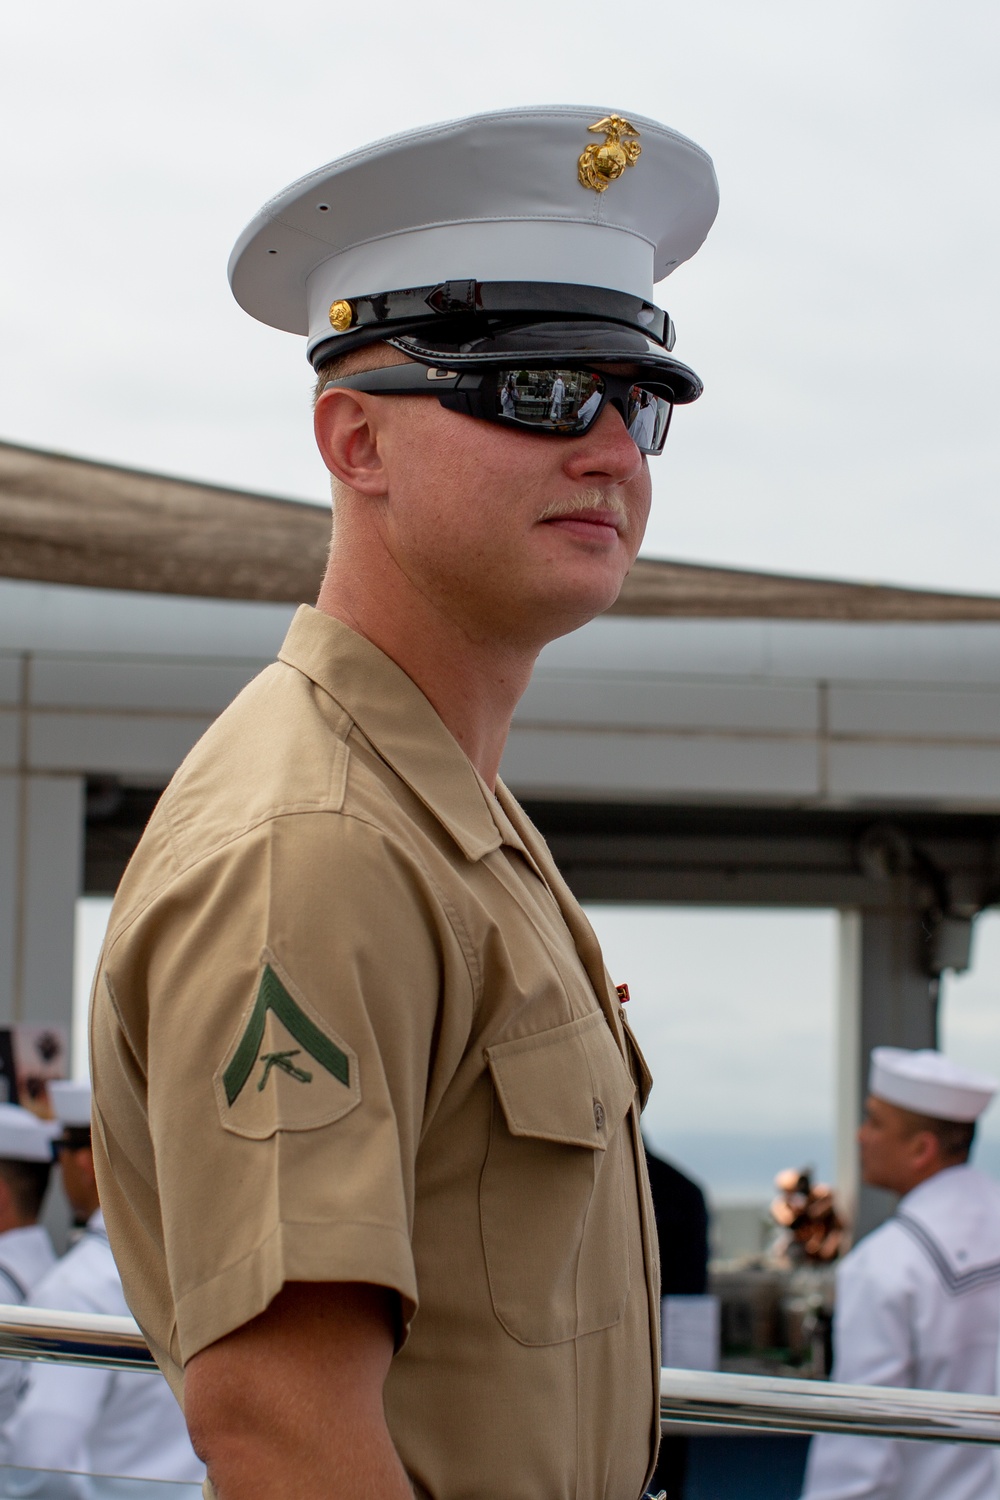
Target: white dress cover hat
(559,218)
(71,1103)
(23,1136)
(928,1083)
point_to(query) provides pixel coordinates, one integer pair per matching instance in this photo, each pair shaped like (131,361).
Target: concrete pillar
(848,1074)
(42,831)
(41,876)
(9,888)
(887,998)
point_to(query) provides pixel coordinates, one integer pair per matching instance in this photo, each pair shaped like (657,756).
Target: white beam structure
(788,712)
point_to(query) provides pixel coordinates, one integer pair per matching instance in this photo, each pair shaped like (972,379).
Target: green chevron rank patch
(285,1069)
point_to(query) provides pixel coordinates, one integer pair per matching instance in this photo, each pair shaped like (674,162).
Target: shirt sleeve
(293,1028)
(873,1345)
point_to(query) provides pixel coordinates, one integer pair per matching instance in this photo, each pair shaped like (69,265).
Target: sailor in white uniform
(643,424)
(92,1421)
(25,1248)
(918,1300)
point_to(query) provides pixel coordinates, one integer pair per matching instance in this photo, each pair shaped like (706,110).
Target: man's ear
(347,429)
(925,1150)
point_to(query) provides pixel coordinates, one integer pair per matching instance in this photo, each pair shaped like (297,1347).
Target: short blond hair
(355,362)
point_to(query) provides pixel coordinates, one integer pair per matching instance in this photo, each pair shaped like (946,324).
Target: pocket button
(599,1115)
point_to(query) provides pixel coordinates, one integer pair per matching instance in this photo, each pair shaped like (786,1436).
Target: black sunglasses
(563,401)
(75,1138)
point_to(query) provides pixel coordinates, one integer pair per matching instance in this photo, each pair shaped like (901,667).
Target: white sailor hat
(71,1103)
(526,234)
(23,1136)
(929,1084)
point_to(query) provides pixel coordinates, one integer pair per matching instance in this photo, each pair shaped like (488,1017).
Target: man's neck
(916,1179)
(474,686)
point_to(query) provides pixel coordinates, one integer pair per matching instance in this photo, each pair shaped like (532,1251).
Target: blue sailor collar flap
(955,1219)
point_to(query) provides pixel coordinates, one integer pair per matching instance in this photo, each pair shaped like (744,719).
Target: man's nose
(606,451)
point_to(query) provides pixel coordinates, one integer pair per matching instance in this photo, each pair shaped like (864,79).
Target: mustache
(584,500)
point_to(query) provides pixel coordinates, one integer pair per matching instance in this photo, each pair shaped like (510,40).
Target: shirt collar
(392,712)
(935,1184)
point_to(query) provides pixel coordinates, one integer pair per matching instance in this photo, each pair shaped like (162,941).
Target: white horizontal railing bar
(689,1397)
(73,1338)
(766,1403)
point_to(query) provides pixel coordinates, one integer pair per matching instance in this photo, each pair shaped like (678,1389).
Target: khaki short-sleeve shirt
(350,1025)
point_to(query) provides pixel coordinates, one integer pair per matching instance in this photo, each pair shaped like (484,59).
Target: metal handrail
(769,1404)
(688,1397)
(68,1338)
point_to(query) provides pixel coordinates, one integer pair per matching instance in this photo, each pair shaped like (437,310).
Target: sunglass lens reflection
(647,420)
(552,400)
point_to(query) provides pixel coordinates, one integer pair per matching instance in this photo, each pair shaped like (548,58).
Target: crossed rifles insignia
(282,1060)
(600,165)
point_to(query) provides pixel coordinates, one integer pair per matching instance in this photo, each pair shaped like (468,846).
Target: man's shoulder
(280,749)
(280,746)
(26,1255)
(954,1217)
(283,784)
(959,1199)
(887,1256)
(28,1241)
(84,1280)
(946,1231)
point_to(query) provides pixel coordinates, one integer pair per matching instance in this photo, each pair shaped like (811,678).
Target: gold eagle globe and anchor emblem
(599,166)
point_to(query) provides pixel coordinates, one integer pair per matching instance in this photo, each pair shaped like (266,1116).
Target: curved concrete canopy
(70,521)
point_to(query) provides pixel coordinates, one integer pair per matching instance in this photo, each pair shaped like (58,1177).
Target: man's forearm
(356,1463)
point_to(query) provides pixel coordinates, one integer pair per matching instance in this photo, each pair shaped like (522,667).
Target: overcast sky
(844,313)
(735,1011)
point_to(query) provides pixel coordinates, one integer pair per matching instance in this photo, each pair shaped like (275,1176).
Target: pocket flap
(569,1084)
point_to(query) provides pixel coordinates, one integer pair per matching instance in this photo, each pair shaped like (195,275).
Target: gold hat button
(341,316)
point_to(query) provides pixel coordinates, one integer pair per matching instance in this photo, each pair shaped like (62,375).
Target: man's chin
(569,608)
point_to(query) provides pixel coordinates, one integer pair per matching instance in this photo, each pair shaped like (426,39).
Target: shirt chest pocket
(553,1194)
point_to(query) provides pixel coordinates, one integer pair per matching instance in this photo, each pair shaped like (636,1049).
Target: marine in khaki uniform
(366,1105)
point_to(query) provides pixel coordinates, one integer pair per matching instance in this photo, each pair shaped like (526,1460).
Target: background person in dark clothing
(682,1230)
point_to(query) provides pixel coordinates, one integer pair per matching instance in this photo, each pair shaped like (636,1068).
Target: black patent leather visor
(557,342)
(556,400)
